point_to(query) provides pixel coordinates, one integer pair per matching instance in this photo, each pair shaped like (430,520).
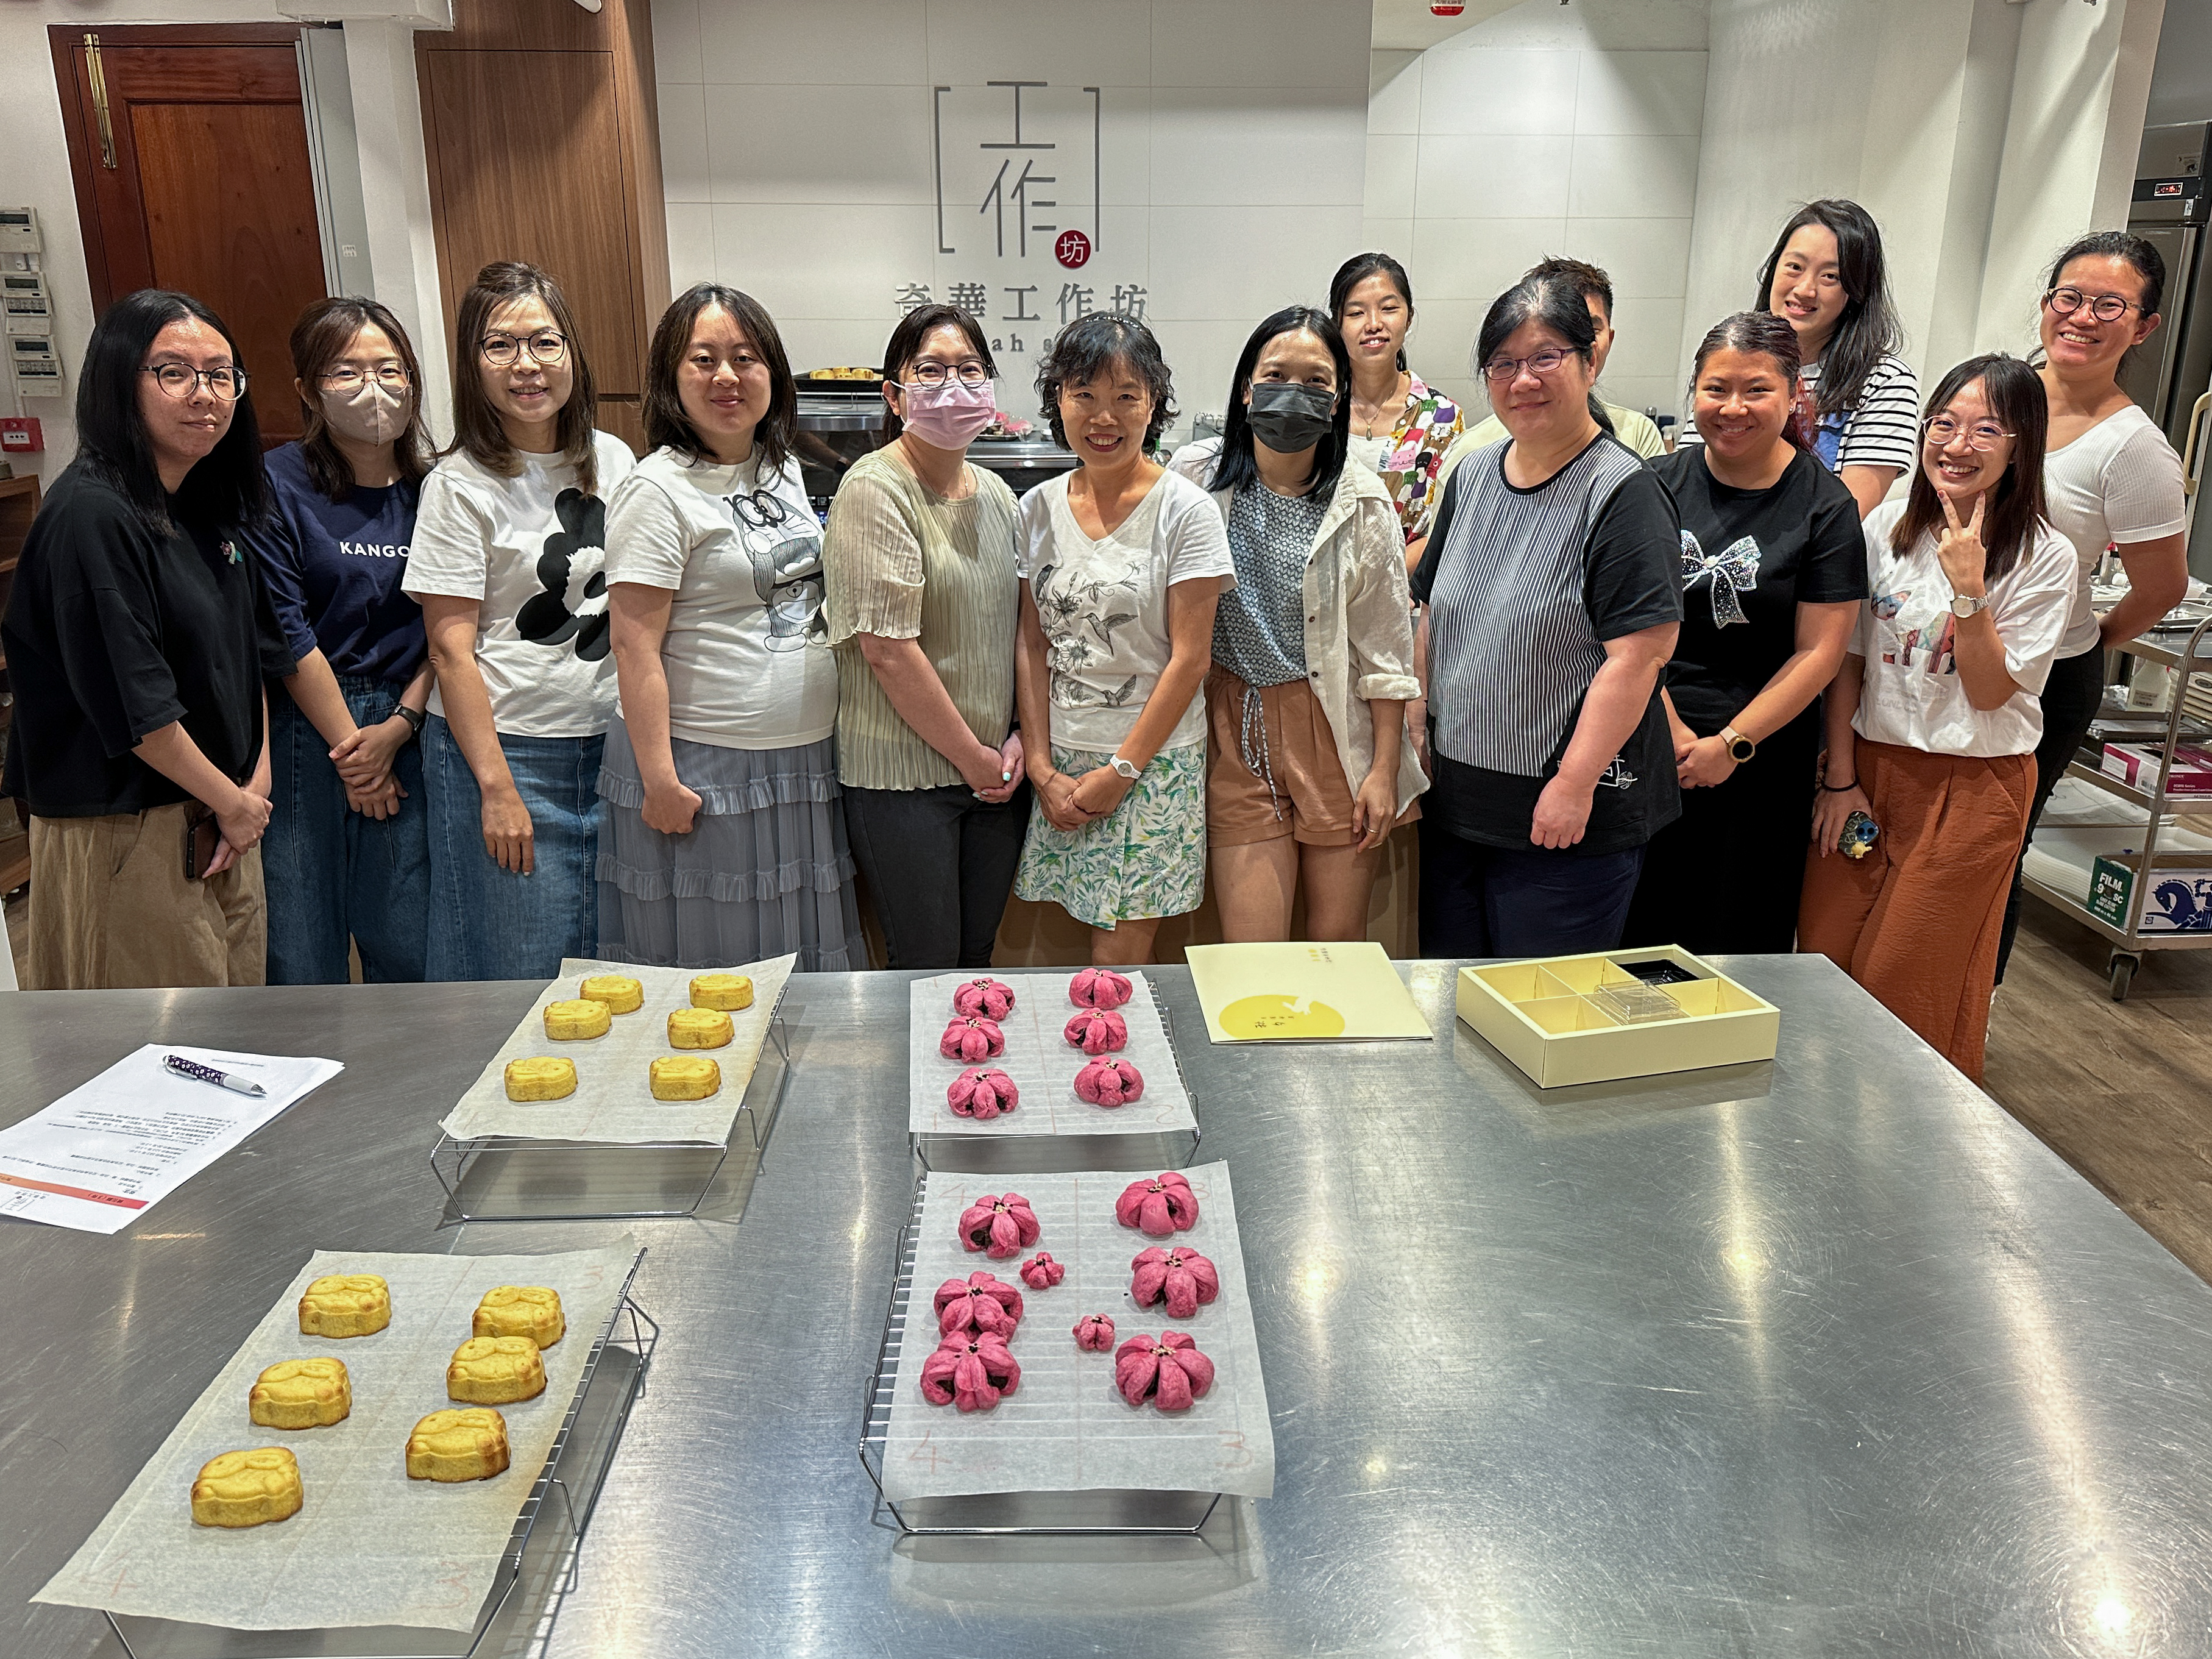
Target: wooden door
(200,181)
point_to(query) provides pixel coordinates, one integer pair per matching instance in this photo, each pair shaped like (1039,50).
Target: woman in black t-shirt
(1773,570)
(1553,601)
(138,637)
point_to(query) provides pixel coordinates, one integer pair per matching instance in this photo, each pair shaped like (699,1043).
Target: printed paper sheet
(1343,992)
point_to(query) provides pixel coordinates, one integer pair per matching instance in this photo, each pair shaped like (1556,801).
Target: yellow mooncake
(622,993)
(700,1028)
(568,1022)
(685,1076)
(301,1393)
(540,1080)
(531,1310)
(345,1305)
(247,1488)
(495,1370)
(470,1444)
(727,992)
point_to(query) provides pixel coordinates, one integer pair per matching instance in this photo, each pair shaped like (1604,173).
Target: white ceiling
(1410,25)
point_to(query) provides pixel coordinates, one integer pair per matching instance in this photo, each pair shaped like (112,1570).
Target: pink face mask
(949,416)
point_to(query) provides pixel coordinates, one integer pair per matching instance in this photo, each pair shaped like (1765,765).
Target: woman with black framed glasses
(137,638)
(509,543)
(725,837)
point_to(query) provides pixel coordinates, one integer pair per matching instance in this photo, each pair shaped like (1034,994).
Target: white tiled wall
(797,150)
(1544,131)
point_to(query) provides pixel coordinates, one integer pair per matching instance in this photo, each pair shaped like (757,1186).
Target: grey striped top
(905,563)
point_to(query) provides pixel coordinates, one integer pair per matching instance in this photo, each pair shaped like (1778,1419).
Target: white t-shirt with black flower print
(533,550)
(746,654)
(1103,603)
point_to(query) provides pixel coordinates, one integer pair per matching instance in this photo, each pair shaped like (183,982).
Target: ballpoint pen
(191,1068)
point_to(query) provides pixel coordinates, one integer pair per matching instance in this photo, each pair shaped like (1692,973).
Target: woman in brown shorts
(1311,765)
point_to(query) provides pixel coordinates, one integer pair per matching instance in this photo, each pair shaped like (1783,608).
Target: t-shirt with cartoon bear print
(532,549)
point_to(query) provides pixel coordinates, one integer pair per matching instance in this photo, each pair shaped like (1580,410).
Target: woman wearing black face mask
(1312,648)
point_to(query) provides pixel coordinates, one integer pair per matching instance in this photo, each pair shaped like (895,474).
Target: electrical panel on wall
(27,309)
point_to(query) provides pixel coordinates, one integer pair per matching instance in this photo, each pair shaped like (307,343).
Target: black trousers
(2070,696)
(940,865)
(1479,901)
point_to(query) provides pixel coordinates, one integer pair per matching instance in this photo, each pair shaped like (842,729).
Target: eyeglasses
(1546,362)
(970,373)
(390,376)
(180,381)
(545,348)
(2104,307)
(1982,436)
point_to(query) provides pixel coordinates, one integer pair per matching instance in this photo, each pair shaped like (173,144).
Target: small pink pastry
(971,1371)
(989,998)
(1042,1273)
(977,1302)
(1171,1372)
(1163,1205)
(1180,1277)
(1094,1332)
(1097,1032)
(999,1227)
(971,1039)
(982,1093)
(1109,1083)
(1098,988)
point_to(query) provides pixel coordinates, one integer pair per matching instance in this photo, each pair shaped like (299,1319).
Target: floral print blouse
(1426,429)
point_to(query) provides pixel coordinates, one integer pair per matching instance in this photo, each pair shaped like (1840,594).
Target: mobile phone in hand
(202,835)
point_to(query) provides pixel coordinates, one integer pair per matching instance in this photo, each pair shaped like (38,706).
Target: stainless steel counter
(1824,1356)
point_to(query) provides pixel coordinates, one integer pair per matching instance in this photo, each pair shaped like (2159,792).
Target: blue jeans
(490,923)
(334,874)
(1479,901)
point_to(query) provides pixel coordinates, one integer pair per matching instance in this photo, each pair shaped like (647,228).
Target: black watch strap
(415,719)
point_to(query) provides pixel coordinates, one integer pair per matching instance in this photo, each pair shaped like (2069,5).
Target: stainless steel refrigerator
(2171,374)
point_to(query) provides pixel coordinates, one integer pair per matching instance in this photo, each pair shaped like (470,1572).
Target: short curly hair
(1087,350)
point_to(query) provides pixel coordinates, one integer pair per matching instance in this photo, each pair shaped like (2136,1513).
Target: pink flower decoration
(1097,1032)
(990,998)
(1094,1332)
(977,1302)
(1171,1372)
(999,1227)
(971,1371)
(1163,1205)
(972,1039)
(1098,988)
(982,1093)
(1042,1273)
(1109,1083)
(1180,1277)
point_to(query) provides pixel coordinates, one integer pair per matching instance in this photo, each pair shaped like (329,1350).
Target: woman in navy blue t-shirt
(347,856)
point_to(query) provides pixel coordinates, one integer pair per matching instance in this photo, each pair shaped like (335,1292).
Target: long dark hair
(1087,350)
(1239,468)
(905,345)
(325,332)
(1868,330)
(1555,301)
(2148,263)
(228,487)
(2016,400)
(1357,270)
(666,425)
(476,427)
(1758,333)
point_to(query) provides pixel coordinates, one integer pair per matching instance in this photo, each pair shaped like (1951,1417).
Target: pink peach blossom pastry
(1109,1083)
(1099,988)
(991,998)
(1163,1205)
(1171,1372)
(980,1302)
(982,1093)
(971,1370)
(1094,1332)
(1097,1032)
(998,1226)
(971,1039)
(1042,1273)
(1180,1277)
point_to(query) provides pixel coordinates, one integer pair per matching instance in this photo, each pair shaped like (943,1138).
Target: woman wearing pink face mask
(919,559)
(347,856)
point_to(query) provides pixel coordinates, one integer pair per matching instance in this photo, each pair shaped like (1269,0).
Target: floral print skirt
(1147,858)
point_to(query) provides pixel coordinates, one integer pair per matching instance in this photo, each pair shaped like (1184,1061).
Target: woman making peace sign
(1970,588)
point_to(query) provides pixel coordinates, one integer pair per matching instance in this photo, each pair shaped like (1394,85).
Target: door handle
(98,78)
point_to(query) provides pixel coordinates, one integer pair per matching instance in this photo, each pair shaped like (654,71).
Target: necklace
(1387,411)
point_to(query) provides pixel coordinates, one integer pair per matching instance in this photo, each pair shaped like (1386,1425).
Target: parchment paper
(614,1100)
(370,1546)
(1042,1065)
(1067,1428)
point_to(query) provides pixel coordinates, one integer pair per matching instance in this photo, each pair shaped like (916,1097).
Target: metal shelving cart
(2184,645)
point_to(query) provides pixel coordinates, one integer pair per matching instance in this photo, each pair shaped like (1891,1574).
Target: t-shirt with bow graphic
(1803,532)
(533,550)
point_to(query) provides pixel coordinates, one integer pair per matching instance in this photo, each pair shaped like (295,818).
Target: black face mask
(1290,418)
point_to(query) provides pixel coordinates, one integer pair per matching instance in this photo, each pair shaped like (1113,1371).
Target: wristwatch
(1963,606)
(1123,767)
(1740,748)
(415,721)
